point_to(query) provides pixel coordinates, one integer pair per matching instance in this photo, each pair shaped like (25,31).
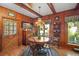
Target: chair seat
(41,52)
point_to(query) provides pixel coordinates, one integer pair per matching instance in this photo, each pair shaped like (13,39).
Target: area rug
(49,52)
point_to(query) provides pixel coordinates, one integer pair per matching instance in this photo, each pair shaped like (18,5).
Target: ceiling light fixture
(39,22)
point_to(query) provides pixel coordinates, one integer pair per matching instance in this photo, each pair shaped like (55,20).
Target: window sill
(73,44)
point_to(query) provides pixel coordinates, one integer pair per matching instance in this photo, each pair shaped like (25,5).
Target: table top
(36,40)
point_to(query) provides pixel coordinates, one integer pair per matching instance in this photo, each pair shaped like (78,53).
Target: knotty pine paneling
(63,40)
(11,42)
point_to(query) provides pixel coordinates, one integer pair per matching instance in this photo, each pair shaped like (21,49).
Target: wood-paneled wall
(6,43)
(63,40)
(11,42)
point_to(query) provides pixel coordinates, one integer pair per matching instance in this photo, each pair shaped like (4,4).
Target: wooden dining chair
(49,43)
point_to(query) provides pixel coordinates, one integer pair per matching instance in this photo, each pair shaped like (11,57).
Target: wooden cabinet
(56,30)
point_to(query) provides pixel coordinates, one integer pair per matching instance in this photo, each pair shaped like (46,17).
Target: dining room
(39,29)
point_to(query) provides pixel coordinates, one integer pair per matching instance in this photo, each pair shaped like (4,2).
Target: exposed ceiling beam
(30,4)
(77,6)
(51,7)
(27,8)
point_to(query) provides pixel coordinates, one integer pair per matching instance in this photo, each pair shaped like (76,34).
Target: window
(41,30)
(9,27)
(73,29)
(47,26)
(44,30)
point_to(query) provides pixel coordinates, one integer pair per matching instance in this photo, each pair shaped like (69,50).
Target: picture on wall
(26,26)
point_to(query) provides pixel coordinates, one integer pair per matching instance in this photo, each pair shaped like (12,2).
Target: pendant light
(39,22)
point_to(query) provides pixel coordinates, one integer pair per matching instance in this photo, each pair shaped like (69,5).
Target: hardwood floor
(66,52)
(18,51)
(15,52)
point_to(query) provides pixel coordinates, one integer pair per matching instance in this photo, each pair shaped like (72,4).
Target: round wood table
(36,43)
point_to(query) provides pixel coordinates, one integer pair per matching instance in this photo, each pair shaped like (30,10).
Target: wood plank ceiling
(32,10)
(27,8)
(50,5)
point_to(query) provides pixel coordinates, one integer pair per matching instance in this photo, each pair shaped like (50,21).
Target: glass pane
(14,28)
(9,27)
(10,32)
(11,23)
(5,28)
(47,26)
(73,31)
(6,23)
(14,32)
(6,33)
